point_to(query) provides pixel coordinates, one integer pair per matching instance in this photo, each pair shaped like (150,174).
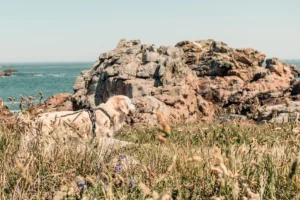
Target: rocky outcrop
(189,81)
(281,113)
(154,78)
(295,71)
(59,102)
(7,72)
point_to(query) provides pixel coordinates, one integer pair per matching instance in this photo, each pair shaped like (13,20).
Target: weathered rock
(281,113)
(295,71)
(150,57)
(230,117)
(191,81)
(151,77)
(60,102)
(211,58)
(146,108)
(81,88)
(274,65)
(146,70)
(1,73)
(8,72)
(206,108)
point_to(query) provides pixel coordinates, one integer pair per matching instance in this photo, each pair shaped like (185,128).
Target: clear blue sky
(77,30)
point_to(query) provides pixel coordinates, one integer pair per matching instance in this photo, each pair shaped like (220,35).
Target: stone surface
(193,80)
(295,71)
(60,102)
(8,72)
(281,113)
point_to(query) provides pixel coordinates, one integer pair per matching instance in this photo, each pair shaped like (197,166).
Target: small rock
(149,48)
(61,102)
(174,52)
(8,72)
(147,70)
(110,71)
(150,57)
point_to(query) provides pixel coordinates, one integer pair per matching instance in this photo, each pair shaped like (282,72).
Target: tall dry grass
(193,161)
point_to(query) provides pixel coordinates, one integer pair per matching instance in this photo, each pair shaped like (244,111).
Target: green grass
(255,162)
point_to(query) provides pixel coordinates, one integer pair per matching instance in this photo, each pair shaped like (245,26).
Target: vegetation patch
(195,161)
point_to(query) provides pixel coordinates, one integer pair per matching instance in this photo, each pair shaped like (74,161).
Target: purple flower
(118,169)
(82,185)
(38,181)
(122,157)
(18,190)
(131,182)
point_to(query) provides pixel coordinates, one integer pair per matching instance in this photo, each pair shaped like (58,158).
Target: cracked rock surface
(193,80)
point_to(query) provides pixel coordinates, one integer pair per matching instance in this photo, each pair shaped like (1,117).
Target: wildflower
(281,191)
(118,169)
(122,157)
(18,191)
(82,185)
(131,182)
(38,181)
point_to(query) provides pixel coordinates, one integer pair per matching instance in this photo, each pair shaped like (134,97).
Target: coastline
(206,107)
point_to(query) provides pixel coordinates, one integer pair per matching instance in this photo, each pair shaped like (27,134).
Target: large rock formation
(193,80)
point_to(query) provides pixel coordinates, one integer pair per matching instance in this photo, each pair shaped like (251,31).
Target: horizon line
(31,62)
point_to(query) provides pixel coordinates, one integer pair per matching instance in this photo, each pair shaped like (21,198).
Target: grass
(197,161)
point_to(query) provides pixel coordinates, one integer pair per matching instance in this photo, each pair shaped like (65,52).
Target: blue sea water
(49,78)
(32,78)
(295,62)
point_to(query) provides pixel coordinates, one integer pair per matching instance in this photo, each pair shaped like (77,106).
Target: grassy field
(197,161)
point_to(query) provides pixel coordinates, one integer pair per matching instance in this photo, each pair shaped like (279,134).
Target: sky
(76,30)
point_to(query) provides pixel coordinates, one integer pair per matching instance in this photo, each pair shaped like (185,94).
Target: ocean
(295,62)
(32,78)
(49,78)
